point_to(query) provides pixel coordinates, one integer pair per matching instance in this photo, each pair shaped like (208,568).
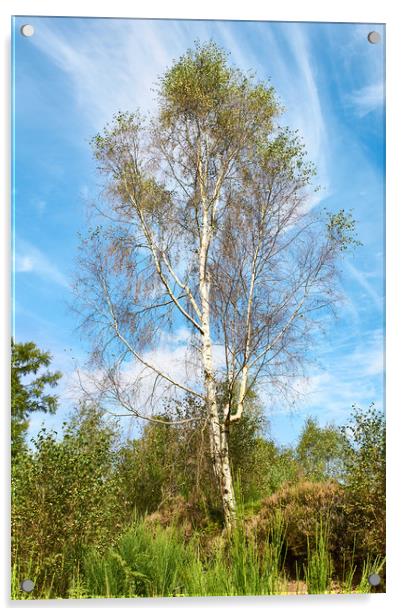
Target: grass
(158,563)
(371,565)
(152,561)
(43,587)
(146,562)
(318,569)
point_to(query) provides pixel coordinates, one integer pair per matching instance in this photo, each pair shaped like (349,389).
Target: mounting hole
(27,30)
(374,579)
(374,37)
(27,585)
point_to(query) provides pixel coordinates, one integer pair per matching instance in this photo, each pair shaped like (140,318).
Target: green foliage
(132,184)
(371,565)
(29,396)
(341,229)
(284,156)
(173,461)
(168,462)
(157,562)
(145,466)
(246,439)
(321,451)
(78,502)
(145,562)
(202,86)
(283,468)
(75,534)
(270,468)
(198,82)
(152,561)
(64,497)
(257,569)
(318,570)
(365,480)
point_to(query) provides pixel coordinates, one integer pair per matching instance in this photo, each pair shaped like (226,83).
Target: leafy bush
(169,463)
(365,481)
(64,498)
(94,517)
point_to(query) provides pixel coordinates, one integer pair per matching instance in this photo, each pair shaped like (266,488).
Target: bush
(365,481)
(64,499)
(304,507)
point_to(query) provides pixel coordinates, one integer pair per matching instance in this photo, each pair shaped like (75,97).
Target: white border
(384,11)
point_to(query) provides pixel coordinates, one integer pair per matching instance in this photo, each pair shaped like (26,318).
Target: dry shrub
(303,507)
(177,511)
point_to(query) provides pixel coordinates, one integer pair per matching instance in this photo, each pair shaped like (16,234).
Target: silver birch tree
(204,223)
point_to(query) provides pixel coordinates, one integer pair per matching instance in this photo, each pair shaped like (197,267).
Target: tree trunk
(218,429)
(228,495)
(220,455)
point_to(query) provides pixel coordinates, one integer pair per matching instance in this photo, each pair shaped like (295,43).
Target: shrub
(304,507)
(365,481)
(64,499)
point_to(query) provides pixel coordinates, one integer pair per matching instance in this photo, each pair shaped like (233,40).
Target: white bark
(218,430)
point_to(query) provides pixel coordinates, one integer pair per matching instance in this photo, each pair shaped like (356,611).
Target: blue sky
(73,74)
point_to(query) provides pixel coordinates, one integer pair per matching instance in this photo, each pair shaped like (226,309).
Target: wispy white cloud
(367,99)
(347,379)
(283,55)
(30,260)
(361,76)
(24,263)
(174,356)
(362,279)
(115,65)
(111,65)
(307,109)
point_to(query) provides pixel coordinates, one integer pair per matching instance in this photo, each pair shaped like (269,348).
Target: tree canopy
(29,396)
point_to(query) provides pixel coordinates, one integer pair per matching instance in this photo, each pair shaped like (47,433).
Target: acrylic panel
(198,308)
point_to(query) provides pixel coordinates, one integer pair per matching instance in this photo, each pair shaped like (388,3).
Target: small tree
(321,451)
(65,498)
(169,462)
(365,478)
(29,396)
(205,228)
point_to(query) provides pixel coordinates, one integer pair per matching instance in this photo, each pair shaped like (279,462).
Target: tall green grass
(371,565)
(318,570)
(146,562)
(43,584)
(156,562)
(153,561)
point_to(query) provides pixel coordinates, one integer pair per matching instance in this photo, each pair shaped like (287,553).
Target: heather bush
(304,506)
